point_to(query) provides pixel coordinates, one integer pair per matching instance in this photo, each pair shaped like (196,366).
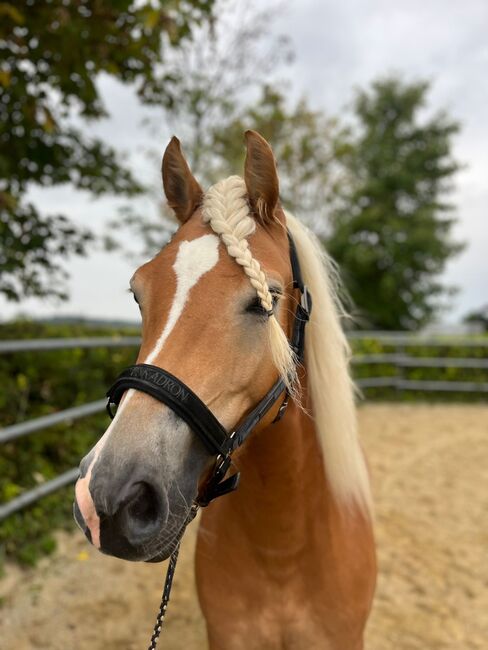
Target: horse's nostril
(144,513)
(132,512)
(144,507)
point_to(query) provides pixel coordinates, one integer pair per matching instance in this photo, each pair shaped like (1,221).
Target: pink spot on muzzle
(87,507)
(82,488)
(84,498)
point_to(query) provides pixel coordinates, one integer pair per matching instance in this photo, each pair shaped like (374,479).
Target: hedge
(37,383)
(450,349)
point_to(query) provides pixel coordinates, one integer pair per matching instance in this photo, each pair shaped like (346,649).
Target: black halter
(168,389)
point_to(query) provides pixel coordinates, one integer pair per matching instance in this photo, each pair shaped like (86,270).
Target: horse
(286,561)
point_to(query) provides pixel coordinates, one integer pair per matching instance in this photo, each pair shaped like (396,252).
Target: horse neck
(285,547)
(282,486)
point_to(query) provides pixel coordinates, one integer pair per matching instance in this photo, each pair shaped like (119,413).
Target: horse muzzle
(130,521)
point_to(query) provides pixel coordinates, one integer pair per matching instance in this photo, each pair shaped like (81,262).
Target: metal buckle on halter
(109,409)
(306,303)
(282,409)
(218,485)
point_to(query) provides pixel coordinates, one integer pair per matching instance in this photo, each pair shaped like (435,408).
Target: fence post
(400,370)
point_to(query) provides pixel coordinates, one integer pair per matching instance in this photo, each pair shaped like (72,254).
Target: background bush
(38,383)
(451,349)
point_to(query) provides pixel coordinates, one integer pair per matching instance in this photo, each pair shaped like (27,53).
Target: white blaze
(194,259)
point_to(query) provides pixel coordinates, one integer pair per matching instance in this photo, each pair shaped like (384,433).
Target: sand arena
(429,466)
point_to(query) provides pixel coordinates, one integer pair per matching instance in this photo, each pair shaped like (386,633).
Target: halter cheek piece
(169,390)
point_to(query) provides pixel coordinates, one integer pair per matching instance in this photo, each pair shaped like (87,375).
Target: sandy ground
(430,469)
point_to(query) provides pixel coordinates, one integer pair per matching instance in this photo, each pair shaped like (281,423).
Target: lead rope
(168,582)
(164,599)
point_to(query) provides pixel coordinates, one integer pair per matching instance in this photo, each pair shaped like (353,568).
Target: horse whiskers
(170,537)
(174,526)
(183,498)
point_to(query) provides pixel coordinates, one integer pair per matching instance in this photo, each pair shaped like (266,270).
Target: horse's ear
(182,190)
(261,176)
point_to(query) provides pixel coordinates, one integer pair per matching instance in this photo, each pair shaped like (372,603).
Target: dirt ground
(430,469)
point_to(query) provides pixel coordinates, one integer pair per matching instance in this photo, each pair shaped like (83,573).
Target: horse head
(217,304)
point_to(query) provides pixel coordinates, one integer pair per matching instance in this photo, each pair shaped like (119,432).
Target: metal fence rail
(26,345)
(399,360)
(14,431)
(406,361)
(31,496)
(75,413)
(403,339)
(423,385)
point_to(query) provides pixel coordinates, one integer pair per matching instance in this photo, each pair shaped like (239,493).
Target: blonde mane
(327,356)
(226,210)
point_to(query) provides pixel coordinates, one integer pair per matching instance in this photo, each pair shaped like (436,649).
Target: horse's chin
(165,553)
(161,557)
(144,554)
(169,547)
(149,553)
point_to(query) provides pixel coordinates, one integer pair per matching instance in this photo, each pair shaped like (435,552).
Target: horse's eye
(135,297)
(255,306)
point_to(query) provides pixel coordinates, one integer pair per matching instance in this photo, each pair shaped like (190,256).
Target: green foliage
(375,194)
(391,233)
(35,384)
(218,91)
(52,54)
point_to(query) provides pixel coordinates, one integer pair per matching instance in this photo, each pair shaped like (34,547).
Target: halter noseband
(171,391)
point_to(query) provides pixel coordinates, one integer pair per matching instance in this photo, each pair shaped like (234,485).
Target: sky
(338,46)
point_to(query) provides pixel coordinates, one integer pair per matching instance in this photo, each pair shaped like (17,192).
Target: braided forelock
(226,210)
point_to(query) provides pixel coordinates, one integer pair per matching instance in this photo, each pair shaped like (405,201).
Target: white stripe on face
(194,259)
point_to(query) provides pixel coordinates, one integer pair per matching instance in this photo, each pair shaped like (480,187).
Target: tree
(222,71)
(223,93)
(391,229)
(303,144)
(52,55)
